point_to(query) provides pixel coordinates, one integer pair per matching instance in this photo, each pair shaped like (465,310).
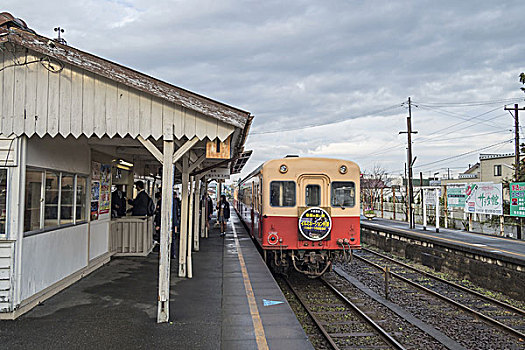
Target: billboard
(484,198)
(456,195)
(517,199)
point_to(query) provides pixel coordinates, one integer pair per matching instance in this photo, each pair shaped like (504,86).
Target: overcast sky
(348,64)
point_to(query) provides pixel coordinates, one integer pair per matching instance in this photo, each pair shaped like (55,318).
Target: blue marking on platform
(267,302)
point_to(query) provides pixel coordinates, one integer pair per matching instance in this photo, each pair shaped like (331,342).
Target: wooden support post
(382,209)
(165,233)
(204,188)
(189,249)
(437,209)
(184,217)
(446,207)
(469,221)
(502,225)
(394,200)
(196,216)
(423,202)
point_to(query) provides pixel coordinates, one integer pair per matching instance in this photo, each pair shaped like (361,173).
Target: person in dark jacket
(157,218)
(118,202)
(223,214)
(141,201)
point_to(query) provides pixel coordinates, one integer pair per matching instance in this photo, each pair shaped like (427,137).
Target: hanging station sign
(315,224)
(218,174)
(456,195)
(484,198)
(517,199)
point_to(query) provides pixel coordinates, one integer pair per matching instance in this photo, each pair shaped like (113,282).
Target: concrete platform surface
(491,245)
(116,306)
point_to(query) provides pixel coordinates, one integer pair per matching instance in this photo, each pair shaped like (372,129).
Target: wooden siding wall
(6,263)
(35,100)
(8,148)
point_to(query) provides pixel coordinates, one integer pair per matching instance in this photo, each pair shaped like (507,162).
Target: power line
(464,154)
(330,122)
(471,103)
(456,156)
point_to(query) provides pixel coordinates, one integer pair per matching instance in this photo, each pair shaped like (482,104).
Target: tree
(371,185)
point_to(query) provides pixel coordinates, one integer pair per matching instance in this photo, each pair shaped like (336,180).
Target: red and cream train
(302,212)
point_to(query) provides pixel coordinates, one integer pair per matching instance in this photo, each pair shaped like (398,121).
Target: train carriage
(303,212)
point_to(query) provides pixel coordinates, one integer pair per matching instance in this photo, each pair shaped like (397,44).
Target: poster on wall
(456,195)
(517,199)
(484,198)
(105,189)
(95,189)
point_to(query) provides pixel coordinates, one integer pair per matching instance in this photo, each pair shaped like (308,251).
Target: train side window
(282,194)
(343,194)
(313,195)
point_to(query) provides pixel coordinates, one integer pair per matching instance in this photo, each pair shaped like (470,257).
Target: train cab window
(343,194)
(282,194)
(313,195)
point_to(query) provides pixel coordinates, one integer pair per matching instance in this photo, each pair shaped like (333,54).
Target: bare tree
(371,184)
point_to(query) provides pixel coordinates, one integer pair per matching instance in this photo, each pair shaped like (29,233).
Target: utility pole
(410,163)
(516,151)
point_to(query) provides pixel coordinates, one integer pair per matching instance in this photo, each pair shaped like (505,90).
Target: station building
(72,125)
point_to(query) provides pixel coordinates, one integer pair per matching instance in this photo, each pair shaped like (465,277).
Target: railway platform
(490,245)
(232,302)
(495,263)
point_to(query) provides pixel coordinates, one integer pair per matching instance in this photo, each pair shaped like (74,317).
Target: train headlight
(283,169)
(273,239)
(343,169)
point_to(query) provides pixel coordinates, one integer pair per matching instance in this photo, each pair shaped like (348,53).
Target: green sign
(456,195)
(517,199)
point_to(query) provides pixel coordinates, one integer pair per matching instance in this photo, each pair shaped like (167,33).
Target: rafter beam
(152,149)
(198,162)
(184,148)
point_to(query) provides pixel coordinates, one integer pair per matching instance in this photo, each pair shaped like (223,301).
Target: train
(302,212)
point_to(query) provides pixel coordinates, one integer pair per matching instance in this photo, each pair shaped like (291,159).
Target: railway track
(492,311)
(342,323)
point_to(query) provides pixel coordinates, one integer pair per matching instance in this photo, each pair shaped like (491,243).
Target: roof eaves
(129,77)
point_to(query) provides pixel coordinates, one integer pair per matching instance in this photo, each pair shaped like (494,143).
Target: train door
(314,191)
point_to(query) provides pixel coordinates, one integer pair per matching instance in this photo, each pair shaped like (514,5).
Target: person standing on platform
(209,210)
(142,203)
(223,214)
(157,219)
(176,225)
(118,203)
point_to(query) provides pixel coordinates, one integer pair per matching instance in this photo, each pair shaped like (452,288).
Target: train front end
(310,213)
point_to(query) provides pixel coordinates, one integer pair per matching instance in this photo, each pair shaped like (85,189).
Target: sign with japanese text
(484,198)
(315,224)
(456,195)
(430,197)
(517,199)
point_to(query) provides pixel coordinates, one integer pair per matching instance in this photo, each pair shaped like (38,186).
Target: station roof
(68,59)
(51,88)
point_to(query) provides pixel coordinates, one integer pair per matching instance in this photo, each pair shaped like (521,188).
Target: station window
(497,170)
(33,200)
(313,195)
(282,194)
(81,198)
(3,200)
(67,195)
(343,194)
(53,199)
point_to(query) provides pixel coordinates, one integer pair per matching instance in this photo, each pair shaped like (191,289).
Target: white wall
(70,155)
(99,238)
(51,256)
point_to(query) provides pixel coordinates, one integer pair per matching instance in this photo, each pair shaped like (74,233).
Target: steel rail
(486,318)
(328,338)
(386,337)
(465,289)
